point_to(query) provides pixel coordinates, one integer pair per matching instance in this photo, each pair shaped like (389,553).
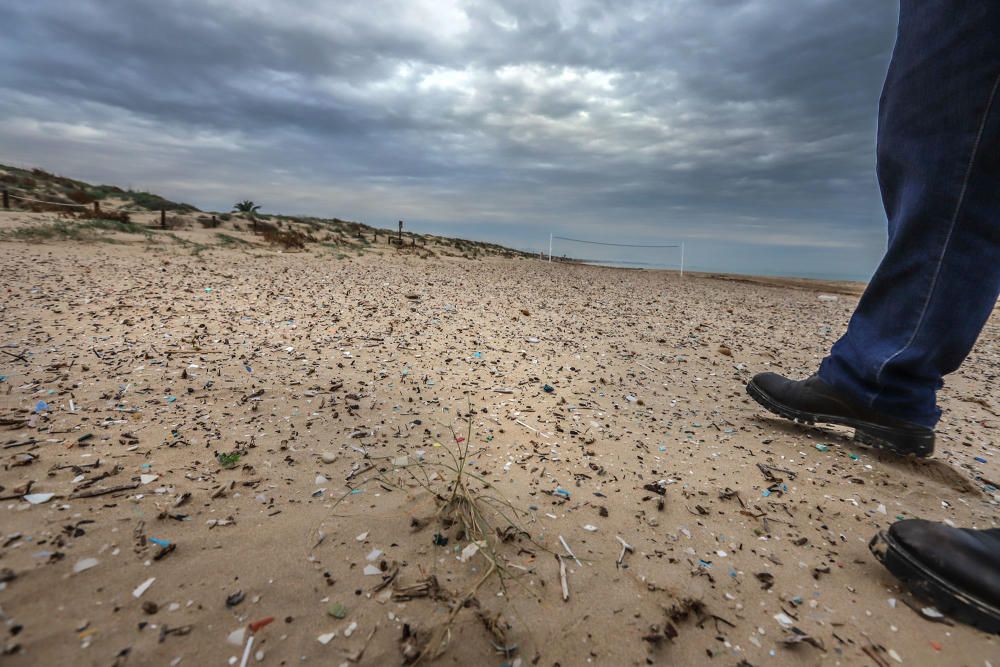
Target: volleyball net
(623,255)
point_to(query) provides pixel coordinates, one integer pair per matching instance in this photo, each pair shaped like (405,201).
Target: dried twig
(101,492)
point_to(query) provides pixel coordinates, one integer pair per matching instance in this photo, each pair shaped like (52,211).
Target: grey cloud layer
(743,122)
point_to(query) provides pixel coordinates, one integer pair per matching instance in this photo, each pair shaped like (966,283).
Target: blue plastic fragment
(41,406)
(249,369)
(562,492)
(981,459)
(157,541)
(765,493)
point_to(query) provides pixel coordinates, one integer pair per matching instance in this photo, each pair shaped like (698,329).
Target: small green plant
(60,230)
(229,460)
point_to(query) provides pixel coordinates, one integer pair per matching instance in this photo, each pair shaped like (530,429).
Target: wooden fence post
(6,199)
(163,218)
(97,207)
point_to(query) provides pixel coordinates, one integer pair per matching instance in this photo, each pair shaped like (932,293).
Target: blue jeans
(939,173)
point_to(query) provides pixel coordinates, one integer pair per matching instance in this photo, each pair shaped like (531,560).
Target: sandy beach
(202,433)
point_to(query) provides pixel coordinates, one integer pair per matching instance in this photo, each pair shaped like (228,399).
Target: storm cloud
(743,128)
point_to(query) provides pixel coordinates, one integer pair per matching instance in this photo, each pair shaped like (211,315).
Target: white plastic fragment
(326,638)
(84,564)
(246,652)
(371,570)
(237,636)
(144,586)
(362,537)
(373,554)
(39,498)
(784,619)
(590,528)
(148,479)
(349,630)
(469,551)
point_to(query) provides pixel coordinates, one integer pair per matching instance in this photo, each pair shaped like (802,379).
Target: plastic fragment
(84,564)
(144,586)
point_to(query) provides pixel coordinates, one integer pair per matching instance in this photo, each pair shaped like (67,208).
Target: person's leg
(939,171)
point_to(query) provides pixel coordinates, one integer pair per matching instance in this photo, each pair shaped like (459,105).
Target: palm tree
(249,209)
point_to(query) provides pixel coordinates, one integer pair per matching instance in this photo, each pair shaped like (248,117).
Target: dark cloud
(744,127)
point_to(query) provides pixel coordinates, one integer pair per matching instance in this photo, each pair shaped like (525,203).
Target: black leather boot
(958,569)
(812,400)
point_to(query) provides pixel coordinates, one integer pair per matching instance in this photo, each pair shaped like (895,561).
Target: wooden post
(215,223)
(6,199)
(163,218)
(97,207)
(400,237)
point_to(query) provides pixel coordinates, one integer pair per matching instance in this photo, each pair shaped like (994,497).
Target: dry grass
(469,510)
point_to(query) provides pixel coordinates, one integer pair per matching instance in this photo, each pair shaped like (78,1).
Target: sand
(153,357)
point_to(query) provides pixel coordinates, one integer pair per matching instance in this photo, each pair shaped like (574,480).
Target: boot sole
(895,440)
(947,598)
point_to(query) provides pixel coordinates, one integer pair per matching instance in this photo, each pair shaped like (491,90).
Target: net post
(550,248)
(682,259)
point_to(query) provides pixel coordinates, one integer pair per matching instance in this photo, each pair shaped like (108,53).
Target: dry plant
(471,509)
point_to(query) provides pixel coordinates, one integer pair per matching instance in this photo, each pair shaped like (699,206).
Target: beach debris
(626,548)
(569,551)
(470,550)
(562,577)
(84,564)
(143,587)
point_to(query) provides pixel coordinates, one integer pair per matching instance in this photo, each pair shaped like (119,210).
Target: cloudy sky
(743,128)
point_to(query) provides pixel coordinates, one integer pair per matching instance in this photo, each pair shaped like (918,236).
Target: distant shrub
(117,216)
(287,239)
(79,196)
(151,202)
